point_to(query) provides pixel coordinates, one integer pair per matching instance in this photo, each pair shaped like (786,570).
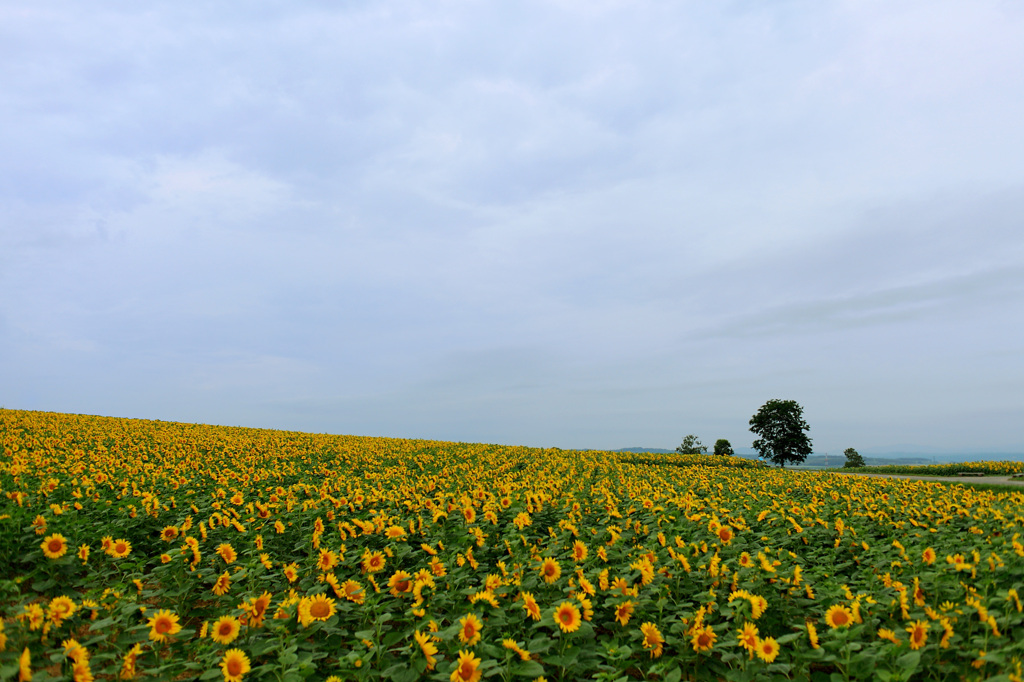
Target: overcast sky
(575,224)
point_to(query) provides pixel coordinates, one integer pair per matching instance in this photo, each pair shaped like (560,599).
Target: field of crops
(152,550)
(987,468)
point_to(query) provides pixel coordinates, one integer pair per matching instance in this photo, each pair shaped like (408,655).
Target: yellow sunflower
(400,583)
(703,639)
(469,629)
(54,546)
(223,584)
(163,624)
(373,561)
(353,591)
(550,570)
(60,608)
(918,631)
(321,607)
(838,616)
(467,669)
(767,649)
(119,548)
(227,552)
(427,647)
(748,637)
(623,612)
(234,665)
(567,616)
(653,639)
(530,605)
(225,630)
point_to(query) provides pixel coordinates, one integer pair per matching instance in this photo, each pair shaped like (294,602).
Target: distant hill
(659,451)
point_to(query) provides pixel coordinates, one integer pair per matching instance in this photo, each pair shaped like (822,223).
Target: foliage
(723,447)
(691,445)
(782,430)
(1007,468)
(853,459)
(219,553)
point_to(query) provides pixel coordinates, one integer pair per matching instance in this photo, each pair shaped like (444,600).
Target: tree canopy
(853,459)
(691,445)
(782,430)
(723,447)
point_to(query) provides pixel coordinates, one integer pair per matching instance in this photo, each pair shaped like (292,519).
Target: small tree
(691,446)
(781,427)
(723,447)
(853,459)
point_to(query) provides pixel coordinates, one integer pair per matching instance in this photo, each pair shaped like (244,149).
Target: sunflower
(467,669)
(83,554)
(60,608)
(227,552)
(745,560)
(225,630)
(74,650)
(838,616)
(321,607)
(918,631)
(579,551)
(653,639)
(128,670)
(812,633)
(725,534)
(327,560)
(353,591)
(373,562)
(234,665)
(163,624)
(469,629)
(169,533)
(747,637)
(928,555)
(567,616)
(54,546)
(885,633)
(703,639)
(623,612)
(120,548)
(223,584)
(394,532)
(291,572)
(767,649)
(550,570)
(530,605)
(469,514)
(427,647)
(25,666)
(400,583)
(258,608)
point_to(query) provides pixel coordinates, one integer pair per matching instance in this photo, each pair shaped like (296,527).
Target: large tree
(782,430)
(723,447)
(853,459)
(691,445)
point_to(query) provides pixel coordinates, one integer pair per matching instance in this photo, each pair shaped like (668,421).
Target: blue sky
(573,224)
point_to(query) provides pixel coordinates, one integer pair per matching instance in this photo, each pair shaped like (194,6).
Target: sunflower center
(163,626)
(234,667)
(402,586)
(319,609)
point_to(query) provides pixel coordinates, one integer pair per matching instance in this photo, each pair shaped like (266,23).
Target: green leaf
(528,669)
(675,675)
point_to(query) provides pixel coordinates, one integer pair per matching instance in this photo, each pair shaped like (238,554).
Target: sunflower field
(151,550)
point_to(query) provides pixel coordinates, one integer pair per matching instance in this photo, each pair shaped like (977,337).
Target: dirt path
(996,480)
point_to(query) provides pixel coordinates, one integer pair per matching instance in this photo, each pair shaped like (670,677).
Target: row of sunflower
(153,550)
